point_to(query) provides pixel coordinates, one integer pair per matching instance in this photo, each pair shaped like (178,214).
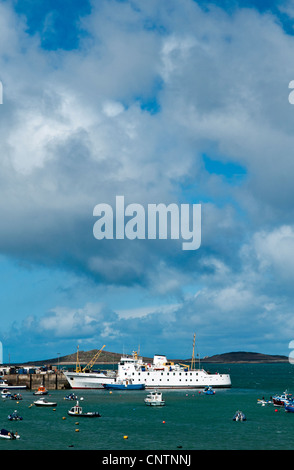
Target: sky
(161,102)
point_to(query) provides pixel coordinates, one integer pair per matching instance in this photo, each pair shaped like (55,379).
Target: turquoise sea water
(189,421)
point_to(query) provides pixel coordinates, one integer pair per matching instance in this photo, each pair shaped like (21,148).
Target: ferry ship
(161,374)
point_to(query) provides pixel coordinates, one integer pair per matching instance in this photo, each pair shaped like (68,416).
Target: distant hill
(245,357)
(108,357)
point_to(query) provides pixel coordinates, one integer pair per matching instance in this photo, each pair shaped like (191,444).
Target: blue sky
(180,102)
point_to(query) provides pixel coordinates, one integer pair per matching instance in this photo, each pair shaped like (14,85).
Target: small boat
(279,400)
(5,393)
(15,396)
(289,406)
(43,402)
(154,399)
(239,416)
(263,402)
(4,434)
(78,411)
(4,384)
(208,391)
(71,396)
(41,391)
(124,385)
(14,416)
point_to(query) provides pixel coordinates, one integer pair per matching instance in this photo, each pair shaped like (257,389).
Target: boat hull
(91,380)
(45,404)
(13,387)
(124,387)
(155,403)
(289,407)
(84,415)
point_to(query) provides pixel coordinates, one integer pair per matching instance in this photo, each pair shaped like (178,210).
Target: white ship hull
(183,380)
(87,380)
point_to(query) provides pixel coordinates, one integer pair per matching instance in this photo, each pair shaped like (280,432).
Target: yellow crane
(90,363)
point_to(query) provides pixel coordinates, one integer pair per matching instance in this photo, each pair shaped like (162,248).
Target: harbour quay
(34,377)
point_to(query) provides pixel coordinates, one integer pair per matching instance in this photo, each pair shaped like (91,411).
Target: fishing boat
(41,391)
(14,416)
(154,399)
(43,402)
(279,400)
(124,385)
(208,391)
(159,374)
(4,434)
(239,416)
(4,384)
(78,411)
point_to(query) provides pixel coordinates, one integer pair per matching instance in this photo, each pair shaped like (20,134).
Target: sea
(189,421)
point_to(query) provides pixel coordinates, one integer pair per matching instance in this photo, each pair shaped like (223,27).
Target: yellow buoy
(126,437)
(77,430)
(63,417)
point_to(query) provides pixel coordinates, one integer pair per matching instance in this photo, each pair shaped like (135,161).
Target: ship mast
(193,355)
(78,366)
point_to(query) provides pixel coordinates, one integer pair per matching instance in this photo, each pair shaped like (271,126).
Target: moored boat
(78,411)
(5,434)
(279,400)
(71,396)
(15,396)
(208,391)
(41,391)
(5,393)
(4,384)
(14,416)
(43,402)
(124,385)
(289,406)
(239,416)
(154,398)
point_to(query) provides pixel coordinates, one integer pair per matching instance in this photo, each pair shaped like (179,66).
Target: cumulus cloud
(149,90)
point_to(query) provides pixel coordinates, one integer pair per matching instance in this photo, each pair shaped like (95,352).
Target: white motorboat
(154,399)
(4,384)
(43,402)
(5,393)
(78,412)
